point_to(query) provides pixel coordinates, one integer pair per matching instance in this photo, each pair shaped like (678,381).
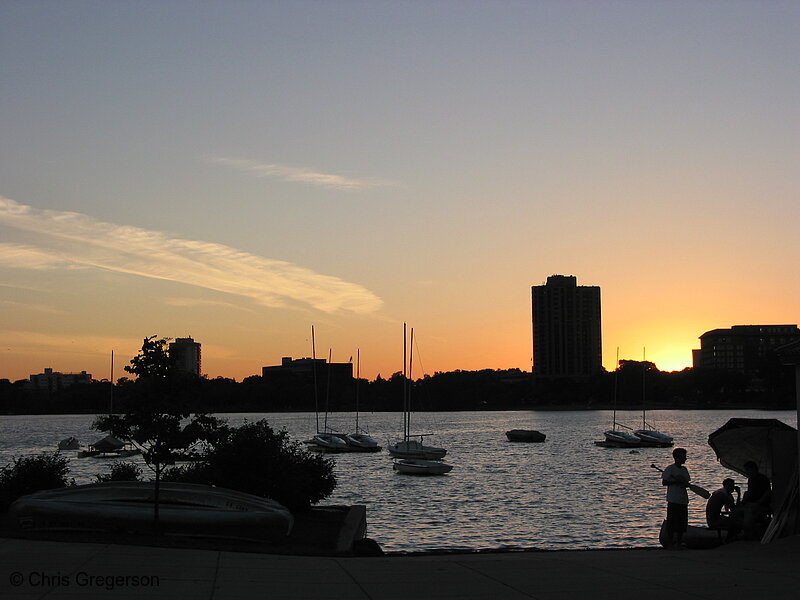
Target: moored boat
(109,447)
(361,442)
(70,443)
(415,449)
(525,435)
(409,466)
(615,438)
(653,437)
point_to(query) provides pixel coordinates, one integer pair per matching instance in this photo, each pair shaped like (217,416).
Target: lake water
(565,493)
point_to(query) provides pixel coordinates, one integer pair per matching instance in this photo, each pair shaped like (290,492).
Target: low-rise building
(53,380)
(307,367)
(746,349)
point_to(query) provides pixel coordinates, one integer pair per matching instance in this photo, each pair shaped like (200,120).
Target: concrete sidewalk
(56,570)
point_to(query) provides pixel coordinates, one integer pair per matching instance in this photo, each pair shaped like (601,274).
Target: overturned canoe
(127,506)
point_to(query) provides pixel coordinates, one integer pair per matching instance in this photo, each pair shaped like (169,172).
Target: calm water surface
(566,493)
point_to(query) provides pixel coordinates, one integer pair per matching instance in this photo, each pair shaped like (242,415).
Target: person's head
(751,468)
(679,454)
(729,485)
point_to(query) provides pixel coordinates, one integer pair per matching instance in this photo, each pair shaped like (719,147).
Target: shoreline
(57,570)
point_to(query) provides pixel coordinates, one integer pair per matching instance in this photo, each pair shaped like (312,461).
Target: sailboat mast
(328,388)
(314,371)
(405,383)
(616,377)
(111,395)
(410,377)
(358,376)
(644,372)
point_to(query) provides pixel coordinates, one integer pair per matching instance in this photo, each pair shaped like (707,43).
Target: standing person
(676,478)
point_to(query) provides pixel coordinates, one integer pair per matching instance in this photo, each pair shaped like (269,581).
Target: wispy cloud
(42,308)
(194,302)
(59,239)
(299,174)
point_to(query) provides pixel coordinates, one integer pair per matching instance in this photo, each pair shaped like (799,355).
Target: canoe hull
(184,509)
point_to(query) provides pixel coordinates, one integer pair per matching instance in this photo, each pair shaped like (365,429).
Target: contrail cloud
(57,239)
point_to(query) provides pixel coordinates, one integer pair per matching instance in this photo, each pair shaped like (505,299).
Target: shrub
(256,459)
(122,471)
(28,474)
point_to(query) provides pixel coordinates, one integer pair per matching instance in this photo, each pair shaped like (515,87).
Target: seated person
(720,510)
(756,502)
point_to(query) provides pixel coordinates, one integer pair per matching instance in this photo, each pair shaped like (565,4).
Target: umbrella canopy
(770,443)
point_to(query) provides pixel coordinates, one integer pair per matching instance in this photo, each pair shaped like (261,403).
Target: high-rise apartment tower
(566,328)
(186,354)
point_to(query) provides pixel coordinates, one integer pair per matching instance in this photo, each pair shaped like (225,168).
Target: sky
(241,171)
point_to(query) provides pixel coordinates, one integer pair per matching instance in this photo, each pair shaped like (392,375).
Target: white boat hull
(362,442)
(330,441)
(409,466)
(622,439)
(652,437)
(184,509)
(415,449)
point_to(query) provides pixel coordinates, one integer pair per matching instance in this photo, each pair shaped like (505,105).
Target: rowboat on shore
(184,509)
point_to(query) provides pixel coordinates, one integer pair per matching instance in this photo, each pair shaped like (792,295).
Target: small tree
(283,470)
(28,474)
(122,471)
(154,420)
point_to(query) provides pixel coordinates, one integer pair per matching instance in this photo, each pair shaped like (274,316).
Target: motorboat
(70,443)
(109,447)
(525,435)
(409,466)
(415,449)
(184,509)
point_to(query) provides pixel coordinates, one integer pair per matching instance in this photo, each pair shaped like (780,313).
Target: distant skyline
(238,172)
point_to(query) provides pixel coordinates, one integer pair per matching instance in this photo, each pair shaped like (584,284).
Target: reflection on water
(566,493)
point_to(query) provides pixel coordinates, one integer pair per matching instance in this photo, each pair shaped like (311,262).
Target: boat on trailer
(128,506)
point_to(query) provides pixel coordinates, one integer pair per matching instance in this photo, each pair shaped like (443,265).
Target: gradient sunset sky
(241,171)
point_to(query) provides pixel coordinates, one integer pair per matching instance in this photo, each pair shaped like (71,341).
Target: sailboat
(414,458)
(648,434)
(325,440)
(616,437)
(360,441)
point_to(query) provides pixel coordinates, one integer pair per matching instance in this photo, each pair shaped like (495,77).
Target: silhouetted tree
(153,420)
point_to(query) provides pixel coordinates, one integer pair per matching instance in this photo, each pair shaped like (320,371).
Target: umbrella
(770,443)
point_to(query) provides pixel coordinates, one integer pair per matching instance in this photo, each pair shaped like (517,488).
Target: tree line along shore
(634,384)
